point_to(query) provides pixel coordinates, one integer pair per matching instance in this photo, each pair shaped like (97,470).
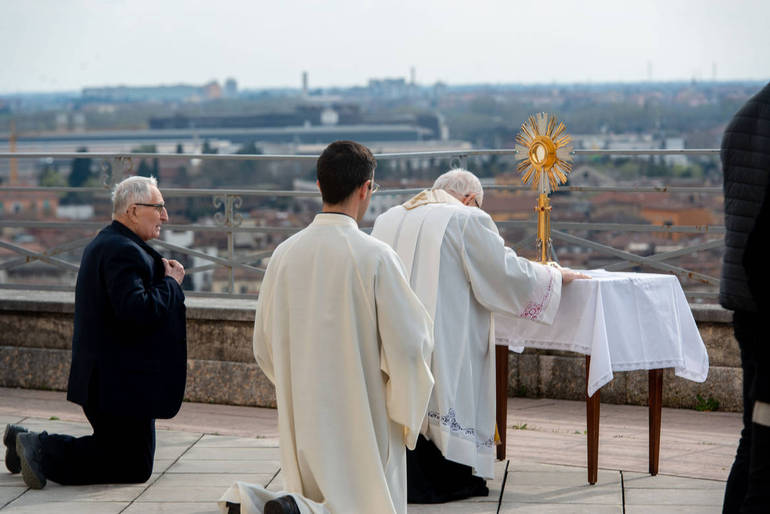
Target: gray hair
(461,182)
(131,190)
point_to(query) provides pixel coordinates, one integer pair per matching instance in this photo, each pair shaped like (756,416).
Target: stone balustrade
(36,335)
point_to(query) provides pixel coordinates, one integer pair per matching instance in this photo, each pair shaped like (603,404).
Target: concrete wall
(36,333)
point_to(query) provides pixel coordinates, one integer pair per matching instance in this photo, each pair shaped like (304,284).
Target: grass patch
(706,405)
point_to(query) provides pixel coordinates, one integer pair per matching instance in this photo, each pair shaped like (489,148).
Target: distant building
(674,143)
(505,206)
(75,212)
(244,281)
(588,176)
(389,88)
(125,140)
(35,204)
(676,214)
(212,90)
(329,117)
(175,93)
(231,88)
(180,92)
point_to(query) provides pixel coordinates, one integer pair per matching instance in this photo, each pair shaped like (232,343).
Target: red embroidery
(533,310)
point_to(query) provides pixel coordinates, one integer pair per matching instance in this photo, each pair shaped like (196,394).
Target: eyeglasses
(158,206)
(474,200)
(374,186)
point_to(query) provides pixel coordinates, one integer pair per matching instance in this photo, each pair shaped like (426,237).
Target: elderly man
(347,344)
(129,353)
(462,271)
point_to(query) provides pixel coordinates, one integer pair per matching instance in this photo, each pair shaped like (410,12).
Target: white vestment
(461,270)
(347,344)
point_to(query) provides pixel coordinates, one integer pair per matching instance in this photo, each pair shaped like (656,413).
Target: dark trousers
(430,478)
(120,451)
(748,486)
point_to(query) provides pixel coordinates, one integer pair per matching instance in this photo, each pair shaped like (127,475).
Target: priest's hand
(568,275)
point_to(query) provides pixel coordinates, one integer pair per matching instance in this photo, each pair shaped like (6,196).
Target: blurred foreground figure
(129,353)
(745,289)
(461,270)
(347,344)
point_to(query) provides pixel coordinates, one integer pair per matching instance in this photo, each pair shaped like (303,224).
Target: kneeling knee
(139,474)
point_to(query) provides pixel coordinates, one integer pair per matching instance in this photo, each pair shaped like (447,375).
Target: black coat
(746,167)
(129,348)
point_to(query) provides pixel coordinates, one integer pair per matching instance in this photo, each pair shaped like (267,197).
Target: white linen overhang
(624,321)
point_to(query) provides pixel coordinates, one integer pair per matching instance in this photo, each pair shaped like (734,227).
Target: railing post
(229,220)
(230,245)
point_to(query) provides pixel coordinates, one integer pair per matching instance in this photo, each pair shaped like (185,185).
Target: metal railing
(228,220)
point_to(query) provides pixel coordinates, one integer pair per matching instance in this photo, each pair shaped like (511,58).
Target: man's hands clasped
(174,269)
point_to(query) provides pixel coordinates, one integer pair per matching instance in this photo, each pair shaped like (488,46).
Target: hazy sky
(51,45)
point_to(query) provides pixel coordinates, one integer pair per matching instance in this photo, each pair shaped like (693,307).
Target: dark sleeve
(132,295)
(755,258)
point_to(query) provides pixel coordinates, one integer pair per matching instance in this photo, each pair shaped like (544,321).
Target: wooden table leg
(592,425)
(655,401)
(501,396)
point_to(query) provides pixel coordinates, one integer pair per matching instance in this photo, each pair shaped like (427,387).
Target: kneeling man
(347,344)
(129,353)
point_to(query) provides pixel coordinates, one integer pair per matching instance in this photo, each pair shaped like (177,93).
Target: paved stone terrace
(207,447)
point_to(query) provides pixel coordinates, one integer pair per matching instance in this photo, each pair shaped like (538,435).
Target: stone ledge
(231,308)
(711,313)
(36,334)
(233,383)
(530,375)
(37,301)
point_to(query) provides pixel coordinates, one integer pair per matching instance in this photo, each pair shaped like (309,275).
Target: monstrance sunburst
(547,155)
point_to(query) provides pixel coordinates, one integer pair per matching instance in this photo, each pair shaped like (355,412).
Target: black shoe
(9,440)
(282,505)
(29,449)
(233,508)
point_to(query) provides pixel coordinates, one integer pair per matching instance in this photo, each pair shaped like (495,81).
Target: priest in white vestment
(347,344)
(461,270)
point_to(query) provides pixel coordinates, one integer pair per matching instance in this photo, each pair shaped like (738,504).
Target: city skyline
(49,46)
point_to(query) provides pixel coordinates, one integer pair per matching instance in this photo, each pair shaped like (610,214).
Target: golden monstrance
(546,152)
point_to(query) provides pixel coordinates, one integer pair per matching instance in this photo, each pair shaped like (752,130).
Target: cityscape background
(243,78)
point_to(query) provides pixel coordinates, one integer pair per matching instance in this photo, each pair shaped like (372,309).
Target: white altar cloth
(624,321)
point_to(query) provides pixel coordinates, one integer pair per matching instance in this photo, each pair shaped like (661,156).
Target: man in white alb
(460,268)
(347,344)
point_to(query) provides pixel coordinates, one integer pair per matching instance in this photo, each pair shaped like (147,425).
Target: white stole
(401,229)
